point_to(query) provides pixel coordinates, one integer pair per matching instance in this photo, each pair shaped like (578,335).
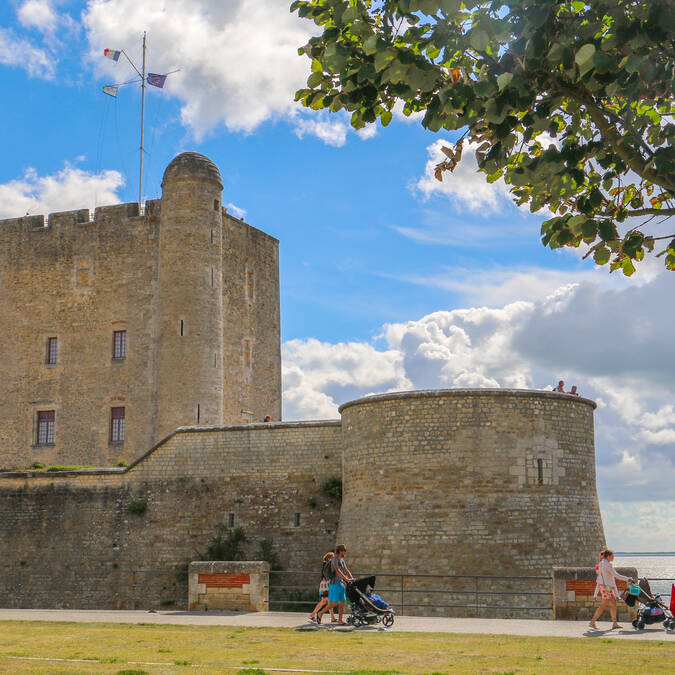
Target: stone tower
(190,278)
(469,482)
(129,324)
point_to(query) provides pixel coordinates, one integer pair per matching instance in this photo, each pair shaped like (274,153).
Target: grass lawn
(133,649)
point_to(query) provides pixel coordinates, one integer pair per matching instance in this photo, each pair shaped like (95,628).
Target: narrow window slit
(181,327)
(198,413)
(297,520)
(540,471)
(230,520)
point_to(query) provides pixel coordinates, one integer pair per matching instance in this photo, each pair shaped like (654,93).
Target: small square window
(117,425)
(52,350)
(119,344)
(45,420)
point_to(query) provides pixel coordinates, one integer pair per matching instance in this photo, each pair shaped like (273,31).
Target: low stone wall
(123,538)
(239,586)
(573,589)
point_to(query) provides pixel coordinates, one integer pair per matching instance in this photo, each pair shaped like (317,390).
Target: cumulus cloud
(67,189)
(21,53)
(318,375)
(615,343)
(330,131)
(39,14)
(465,186)
(238,60)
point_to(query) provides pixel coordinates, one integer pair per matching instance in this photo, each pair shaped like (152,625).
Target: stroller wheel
(388,620)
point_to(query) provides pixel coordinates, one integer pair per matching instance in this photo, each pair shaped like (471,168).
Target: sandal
(593,625)
(616,625)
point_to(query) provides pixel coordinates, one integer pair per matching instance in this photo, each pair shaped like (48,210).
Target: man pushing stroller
(340,575)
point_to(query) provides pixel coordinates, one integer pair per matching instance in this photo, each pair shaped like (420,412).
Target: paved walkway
(415,624)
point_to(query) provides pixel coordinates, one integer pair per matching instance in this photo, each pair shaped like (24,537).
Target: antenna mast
(142,150)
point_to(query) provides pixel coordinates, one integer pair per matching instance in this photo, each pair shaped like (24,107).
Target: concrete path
(416,624)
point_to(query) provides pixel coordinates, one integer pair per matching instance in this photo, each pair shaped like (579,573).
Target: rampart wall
(483,483)
(71,539)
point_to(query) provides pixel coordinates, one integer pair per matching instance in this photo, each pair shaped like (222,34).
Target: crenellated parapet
(103,215)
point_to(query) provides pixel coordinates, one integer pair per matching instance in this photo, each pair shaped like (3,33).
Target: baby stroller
(367,610)
(651,610)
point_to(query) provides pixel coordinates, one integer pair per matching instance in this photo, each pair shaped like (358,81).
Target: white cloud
(236,210)
(318,376)
(498,286)
(331,132)
(38,14)
(67,189)
(238,60)
(465,186)
(21,53)
(644,526)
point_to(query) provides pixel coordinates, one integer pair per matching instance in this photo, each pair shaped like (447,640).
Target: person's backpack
(326,571)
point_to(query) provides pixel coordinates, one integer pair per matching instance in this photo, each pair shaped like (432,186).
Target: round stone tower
(469,482)
(190,357)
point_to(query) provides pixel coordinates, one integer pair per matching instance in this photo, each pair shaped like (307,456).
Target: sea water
(659,567)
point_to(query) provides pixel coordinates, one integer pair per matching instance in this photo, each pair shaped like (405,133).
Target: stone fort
(155,338)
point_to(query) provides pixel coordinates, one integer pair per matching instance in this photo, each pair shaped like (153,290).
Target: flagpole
(140,173)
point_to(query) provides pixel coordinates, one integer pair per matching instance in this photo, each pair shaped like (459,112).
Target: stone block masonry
(122,538)
(195,294)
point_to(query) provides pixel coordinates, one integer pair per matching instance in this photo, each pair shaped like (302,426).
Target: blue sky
(390,280)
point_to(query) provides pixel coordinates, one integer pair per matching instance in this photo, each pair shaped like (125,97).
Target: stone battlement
(102,215)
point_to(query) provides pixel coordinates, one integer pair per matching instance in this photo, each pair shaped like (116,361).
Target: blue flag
(156,80)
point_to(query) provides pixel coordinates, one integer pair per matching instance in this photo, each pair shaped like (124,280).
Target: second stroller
(651,608)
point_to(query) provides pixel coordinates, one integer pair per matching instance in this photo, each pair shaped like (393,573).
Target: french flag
(112,54)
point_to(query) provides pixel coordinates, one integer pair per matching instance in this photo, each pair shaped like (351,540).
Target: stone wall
(469,482)
(77,280)
(573,590)
(176,279)
(252,341)
(122,538)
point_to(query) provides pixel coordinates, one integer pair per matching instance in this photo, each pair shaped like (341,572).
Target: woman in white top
(605,586)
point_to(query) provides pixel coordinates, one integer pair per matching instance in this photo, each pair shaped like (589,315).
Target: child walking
(323,589)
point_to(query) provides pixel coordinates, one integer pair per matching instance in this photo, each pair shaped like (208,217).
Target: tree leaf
(584,54)
(601,255)
(504,80)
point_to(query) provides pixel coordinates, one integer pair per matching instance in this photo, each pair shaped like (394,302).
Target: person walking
(605,587)
(340,575)
(323,589)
